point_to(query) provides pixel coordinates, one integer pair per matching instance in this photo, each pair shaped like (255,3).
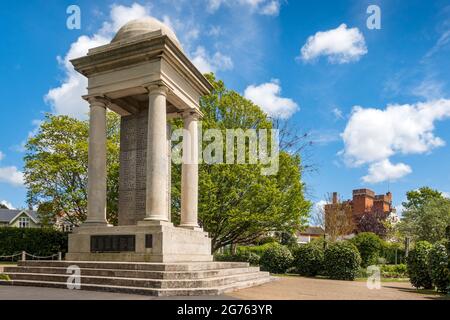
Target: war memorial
(144,76)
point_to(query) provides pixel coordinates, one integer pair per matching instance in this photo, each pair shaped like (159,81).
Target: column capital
(160,88)
(191,114)
(98,101)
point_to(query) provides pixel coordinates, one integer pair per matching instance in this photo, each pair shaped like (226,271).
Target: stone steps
(157,279)
(147,291)
(137,282)
(138,266)
(114,273)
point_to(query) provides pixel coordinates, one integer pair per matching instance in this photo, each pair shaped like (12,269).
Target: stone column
(189,171)
(157,157)
(96,213)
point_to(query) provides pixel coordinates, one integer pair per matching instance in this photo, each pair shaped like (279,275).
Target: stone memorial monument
(145,77)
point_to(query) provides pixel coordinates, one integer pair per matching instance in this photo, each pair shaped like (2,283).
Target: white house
(19,218)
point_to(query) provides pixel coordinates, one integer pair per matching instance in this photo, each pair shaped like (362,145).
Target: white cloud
(11,175)
(340,45)
(7,204)
(267,96)
(372,136)
(66,99)
(207,63)
(385,170)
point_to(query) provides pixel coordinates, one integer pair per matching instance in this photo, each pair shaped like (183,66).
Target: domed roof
(142,26)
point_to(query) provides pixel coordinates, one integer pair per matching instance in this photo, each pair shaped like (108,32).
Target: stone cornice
(117,55)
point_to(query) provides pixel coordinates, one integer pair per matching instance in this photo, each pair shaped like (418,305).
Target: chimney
(335,198)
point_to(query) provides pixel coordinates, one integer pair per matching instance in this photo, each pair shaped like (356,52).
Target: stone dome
(142,26)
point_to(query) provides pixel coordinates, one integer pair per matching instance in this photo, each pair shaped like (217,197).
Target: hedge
(277,259)
(417,264)
(342,261)
(259,250)
(39,242)
(394,271)
(249,257)
(438,266)
(308,260)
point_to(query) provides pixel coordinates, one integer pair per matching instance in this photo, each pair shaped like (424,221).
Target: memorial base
(146,242)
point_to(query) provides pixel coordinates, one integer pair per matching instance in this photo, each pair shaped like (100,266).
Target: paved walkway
(285,288)
(299,288)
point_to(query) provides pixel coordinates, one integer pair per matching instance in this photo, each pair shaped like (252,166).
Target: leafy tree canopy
(56,164)
(426,215)
(418,198)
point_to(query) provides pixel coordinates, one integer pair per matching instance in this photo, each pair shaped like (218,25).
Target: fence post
(59,256)
(24,256)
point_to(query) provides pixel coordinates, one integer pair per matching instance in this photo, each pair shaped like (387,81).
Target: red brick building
(364,201)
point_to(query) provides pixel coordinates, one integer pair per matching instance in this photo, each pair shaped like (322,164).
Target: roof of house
(313,231)
(7,215)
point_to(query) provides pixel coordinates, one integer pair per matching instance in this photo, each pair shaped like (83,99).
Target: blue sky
(375,101)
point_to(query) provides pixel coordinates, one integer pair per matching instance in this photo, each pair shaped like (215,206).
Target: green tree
(418,198)
(428,220)
(56,168)
(2,206)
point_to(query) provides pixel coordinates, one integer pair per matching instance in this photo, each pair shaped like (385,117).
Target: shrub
(417,265)
(438,267)
(259,250)
(394,271)
(276,259)
(369,247)
(4,277)
(249,257)
(342,261)
(308,260)
(40,242)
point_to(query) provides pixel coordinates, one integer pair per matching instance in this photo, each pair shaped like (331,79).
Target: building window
(67,228)
(24,222)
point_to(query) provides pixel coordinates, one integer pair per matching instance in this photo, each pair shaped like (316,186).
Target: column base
(144,223)
(191,227)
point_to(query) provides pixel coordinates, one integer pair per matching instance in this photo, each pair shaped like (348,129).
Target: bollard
(24,256)
(59,256)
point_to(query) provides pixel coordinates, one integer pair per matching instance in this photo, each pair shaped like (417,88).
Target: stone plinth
(167,244)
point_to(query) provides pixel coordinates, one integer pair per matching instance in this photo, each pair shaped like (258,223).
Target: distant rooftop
(6,215)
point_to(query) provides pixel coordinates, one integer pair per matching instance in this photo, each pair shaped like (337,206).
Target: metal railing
(23,257)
